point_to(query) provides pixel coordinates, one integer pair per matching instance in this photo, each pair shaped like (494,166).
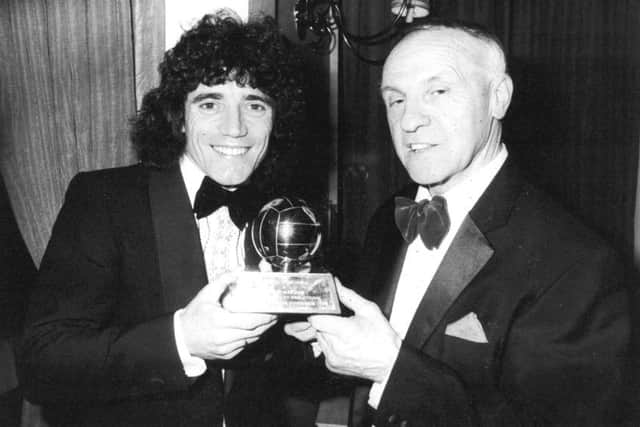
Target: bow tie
(429,218)
(243,203)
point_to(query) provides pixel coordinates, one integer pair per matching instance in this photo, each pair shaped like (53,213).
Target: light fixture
(410,9)
(322,18)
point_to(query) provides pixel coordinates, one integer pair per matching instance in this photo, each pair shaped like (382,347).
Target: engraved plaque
(304,293)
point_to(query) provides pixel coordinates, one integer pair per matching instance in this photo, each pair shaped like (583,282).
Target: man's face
(227,129)
(436,90)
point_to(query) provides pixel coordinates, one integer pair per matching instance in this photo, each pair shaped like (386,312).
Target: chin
(232,182)
(421,178)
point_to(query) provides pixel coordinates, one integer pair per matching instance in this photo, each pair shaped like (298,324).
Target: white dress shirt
(223,248)
(420,264)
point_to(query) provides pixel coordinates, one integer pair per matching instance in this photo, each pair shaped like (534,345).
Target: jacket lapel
(180,258)
(468,253)
(389,256)
(391,260)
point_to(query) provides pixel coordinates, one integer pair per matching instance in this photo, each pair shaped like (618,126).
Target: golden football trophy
(286,234)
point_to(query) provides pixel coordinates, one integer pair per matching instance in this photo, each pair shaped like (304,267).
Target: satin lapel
(390,258)
(390,268)
(180,257)
(468,253)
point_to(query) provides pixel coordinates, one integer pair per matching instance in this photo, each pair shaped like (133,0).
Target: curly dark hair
(218,49)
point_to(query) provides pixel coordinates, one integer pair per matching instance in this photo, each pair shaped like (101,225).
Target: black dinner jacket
(549,296)
(16,271)
(99,347)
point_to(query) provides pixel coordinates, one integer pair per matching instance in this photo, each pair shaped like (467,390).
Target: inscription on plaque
(283,293)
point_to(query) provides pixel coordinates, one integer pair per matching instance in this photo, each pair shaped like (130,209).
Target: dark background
(574,120)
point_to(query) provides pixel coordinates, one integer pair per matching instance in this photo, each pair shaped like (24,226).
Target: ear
(501,91)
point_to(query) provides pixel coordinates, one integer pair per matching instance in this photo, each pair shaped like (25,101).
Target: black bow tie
(429,218)
(243,203)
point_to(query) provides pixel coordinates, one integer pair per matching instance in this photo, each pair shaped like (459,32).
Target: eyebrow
(215,96)
(442,76)
(204,96)
(384,89)
(254,97)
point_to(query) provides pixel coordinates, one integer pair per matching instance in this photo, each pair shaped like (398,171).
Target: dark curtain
(575,117)
(573,124)
(368,169)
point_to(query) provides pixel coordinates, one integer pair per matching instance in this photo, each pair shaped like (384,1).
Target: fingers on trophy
(287,234)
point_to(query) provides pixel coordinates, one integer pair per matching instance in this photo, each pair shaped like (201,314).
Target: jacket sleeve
(563,361)
(73,350)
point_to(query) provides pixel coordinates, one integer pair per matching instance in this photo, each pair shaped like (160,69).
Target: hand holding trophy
(286,234)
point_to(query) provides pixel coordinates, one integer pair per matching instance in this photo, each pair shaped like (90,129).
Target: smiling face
(227,130)
(444,100)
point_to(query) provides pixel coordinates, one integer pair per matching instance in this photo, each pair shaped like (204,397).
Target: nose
(414,117)
(233,124)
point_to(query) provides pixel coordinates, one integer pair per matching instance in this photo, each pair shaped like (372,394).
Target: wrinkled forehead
(447,47)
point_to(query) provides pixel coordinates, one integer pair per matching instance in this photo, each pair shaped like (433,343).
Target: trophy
(287,235)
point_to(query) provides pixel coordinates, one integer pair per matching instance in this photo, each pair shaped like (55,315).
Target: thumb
(350,298)
(213,291)
(264,266)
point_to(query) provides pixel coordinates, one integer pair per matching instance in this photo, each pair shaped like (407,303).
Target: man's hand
(302,331)
(211,332)
(363,345)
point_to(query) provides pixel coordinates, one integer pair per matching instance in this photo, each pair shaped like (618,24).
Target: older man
(125,326)
(494,306)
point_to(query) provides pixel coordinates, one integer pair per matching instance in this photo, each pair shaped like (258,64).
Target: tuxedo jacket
(16,274)
(99,349)
(546,293)
(16,271)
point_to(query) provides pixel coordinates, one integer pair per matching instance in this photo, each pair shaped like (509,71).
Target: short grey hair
(497,60)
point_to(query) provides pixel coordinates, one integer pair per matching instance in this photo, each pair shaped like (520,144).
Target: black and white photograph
(320,213)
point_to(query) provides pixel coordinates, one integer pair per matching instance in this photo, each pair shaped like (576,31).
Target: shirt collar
(462,197)
(192,176)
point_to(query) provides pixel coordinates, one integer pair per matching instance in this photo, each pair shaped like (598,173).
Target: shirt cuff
(193,366)
(375,393)
(317,351)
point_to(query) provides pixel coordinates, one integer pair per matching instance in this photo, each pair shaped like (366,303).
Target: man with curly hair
(125,325)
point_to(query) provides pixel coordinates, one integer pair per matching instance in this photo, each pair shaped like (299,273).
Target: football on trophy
(286,233)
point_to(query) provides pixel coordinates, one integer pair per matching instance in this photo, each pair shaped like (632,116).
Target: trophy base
(294,293)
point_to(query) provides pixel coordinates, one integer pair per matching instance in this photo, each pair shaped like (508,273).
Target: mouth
(416,147)
(230,151)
